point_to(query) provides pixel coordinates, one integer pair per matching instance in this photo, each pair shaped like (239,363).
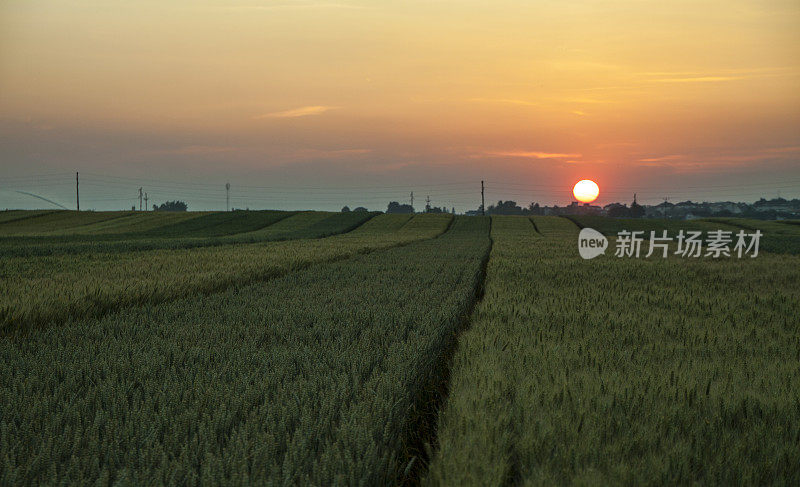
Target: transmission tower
(483,203)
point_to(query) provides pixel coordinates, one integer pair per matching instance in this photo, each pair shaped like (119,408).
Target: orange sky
(687,99)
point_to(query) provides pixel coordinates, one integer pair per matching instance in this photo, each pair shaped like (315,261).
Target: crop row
(221,229)
(313,378)
(8,216)
(777,237)
(624,371)
(781,237)
(39,290)
(42,222)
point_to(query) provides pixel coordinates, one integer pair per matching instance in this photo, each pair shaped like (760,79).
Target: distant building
(777,208)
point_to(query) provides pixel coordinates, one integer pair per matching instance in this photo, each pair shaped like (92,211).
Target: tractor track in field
(145,244)
(421,441)
(10,327)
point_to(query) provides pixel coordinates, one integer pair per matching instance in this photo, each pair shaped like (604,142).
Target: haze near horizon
(316,104)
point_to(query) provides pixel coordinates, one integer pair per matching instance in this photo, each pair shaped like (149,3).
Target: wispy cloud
(783,150)
(297,112)
(624,143)
(345,152)
(533,154)
(285,5)
(698,79)
(716,161)
(328,153)
(196,150)
(506,101)
(583,100)
(670,157)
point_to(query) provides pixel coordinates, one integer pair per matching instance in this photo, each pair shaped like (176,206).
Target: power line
(107,188)
(708,186)
(173,186)
(343,188)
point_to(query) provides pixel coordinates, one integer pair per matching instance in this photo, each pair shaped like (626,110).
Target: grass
(624,371)
(7,216)
(552,226)
(284,229)
(132,223)
(219,224)
(332,224)
(779,227)
(224,229)
(611,226)
(308,379)
(776,237)
(781,237)
(54,222)
(51,288)
(316,348)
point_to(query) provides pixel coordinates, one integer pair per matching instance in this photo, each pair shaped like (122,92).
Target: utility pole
(140,199)
(412,202)
(77,193)
(483,202)
(145,202)
(227,196)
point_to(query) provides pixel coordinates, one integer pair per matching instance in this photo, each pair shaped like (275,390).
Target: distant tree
(361,209)
(395,207)
(172,206)
(617,210)
(504,208)
(535,209)
(345,209)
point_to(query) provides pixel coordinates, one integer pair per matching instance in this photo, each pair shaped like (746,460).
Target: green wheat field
(314,348)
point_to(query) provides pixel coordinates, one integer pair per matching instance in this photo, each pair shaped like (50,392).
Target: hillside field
(361,348)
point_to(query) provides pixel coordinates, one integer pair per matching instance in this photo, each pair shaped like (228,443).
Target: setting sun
(586,191)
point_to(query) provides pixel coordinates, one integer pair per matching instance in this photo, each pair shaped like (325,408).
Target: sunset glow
(373,94)
(586,191)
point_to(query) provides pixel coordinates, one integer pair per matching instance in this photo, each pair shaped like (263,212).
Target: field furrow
(314,378)
(624,371)
(52,288)
(776,237)
(240,227)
